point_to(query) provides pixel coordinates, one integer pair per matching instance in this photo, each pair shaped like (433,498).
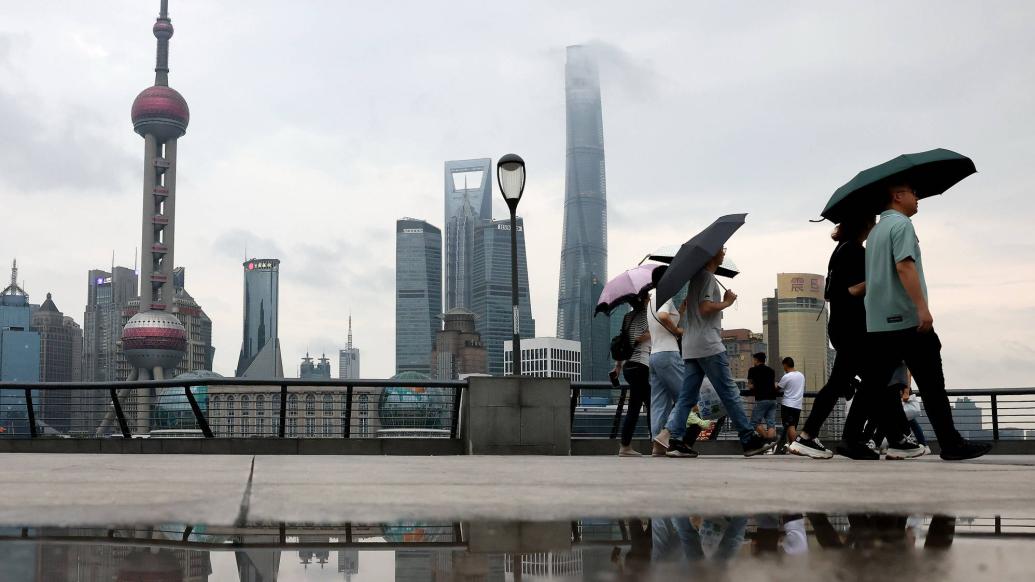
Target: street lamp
(510,173)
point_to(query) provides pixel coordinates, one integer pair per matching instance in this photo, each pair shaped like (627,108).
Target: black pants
(638,377)
(922,354)
(848,363)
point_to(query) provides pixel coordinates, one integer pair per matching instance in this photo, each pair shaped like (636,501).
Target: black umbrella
(929,173)
(695,254)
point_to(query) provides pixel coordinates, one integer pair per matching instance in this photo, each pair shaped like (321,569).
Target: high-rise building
(794,323)
(584,246)
(348,359)
(418,293)
(468,201)
(740,345)
(108,294)
(260,349)
(491,300)
(545,357)
(320,370)
(19,355)
(59,336)
(458,347)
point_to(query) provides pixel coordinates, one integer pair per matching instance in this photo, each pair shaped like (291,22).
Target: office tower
(348,359)
(741,345)
(108,294)
(584,245)
(491,299)
(546,357)
(59,337)
(468,201)
(418,293)
(260,349)
(795,324)
(19,355)
(320,370)
(458,347)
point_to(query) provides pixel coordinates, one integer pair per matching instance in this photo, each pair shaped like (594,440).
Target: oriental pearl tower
(154,340)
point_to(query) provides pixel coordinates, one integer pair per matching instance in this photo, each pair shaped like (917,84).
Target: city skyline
(669,134)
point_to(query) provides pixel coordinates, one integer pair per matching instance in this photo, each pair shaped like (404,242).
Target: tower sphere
(154,339)
(163,29)
(160,111)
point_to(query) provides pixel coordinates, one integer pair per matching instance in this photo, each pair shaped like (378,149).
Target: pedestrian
(636,369)
(762,383)
(900,381)
(845,287)
(792,390)
(900,327)
(666,371)
(704,355)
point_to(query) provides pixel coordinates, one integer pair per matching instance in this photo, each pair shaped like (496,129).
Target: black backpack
(621,347)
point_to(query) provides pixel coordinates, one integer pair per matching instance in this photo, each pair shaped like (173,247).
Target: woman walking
(636,370)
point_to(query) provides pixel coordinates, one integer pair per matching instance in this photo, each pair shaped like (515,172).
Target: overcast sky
(316,124)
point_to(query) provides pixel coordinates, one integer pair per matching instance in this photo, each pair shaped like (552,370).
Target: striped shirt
(638,325)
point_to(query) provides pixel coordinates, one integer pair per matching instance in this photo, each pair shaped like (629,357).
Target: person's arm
(665,319)
(857,290)
(643,337)
(710,307)
(910,278)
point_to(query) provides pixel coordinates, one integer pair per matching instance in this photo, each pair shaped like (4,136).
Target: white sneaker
(927,450)
(907,448)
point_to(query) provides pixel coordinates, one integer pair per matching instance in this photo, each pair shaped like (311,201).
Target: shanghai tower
(584,243)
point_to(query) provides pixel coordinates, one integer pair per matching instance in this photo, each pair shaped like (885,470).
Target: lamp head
(510,173)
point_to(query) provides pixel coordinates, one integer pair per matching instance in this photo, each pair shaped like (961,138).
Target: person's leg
(689,392)
(639,389)
(791,417)
(841,375)
(663,375)
(717,368)
(770,421)
(886,354)
(924,359)
(918,432)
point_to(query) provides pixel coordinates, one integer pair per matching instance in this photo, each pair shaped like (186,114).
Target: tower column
(168,287)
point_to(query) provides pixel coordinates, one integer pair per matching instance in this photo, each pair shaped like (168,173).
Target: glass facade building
(584,243)
(468,201)
(261,296)
(491,299)
(418,293)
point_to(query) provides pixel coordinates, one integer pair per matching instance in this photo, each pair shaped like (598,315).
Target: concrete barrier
(517,415)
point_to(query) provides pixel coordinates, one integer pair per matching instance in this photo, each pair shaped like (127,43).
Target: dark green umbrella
(929,173)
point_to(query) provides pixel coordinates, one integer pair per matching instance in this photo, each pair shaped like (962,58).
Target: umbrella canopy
(664,255)
(929,173)
(625,287)
(695,254)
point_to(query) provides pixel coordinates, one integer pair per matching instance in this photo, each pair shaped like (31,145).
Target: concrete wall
(517,415)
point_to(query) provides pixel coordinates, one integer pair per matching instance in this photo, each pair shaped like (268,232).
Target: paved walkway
(55,489)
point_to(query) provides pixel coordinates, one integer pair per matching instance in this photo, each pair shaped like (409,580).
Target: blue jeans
(666,380)
(717,370)
(764,413)
(674,539)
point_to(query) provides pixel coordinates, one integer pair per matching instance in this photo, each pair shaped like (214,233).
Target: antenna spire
(349,346)
(163,30)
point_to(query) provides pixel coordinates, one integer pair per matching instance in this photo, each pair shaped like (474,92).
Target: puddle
(792,547)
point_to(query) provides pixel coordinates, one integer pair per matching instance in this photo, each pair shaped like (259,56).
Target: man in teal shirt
(900,327)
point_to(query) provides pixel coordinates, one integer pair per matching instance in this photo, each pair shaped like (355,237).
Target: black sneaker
(965,450)
(756,446)
(811,448)
(906,448)
(679,449)
(858,452)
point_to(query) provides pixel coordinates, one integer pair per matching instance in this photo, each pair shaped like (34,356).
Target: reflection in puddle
(810,546)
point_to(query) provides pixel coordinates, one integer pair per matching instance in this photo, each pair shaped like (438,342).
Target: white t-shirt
(702,336)
(793,386)
(661,339)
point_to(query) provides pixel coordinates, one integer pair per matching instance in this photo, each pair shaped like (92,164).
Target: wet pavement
(787,546)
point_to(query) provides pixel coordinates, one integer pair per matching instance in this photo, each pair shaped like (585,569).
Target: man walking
(762,382)
(792,387)
(704,354)
(900,328)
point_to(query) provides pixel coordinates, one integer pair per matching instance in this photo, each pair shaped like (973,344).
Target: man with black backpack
(631,352)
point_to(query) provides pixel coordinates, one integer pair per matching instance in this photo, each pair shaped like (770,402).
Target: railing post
(574,402)
(119,414)
(347,428)
(457,395)
(618,411)
(202,423)
(283,410)
(31,413)
(995,418)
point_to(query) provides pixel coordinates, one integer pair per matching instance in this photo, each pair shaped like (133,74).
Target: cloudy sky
(316,124)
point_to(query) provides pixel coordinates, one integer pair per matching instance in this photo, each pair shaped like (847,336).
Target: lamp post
(510,173)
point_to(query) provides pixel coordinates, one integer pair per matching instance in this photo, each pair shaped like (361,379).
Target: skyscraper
(458,347)
(108,294)
(19,354)
(321,370)
(468,201)
(491,299)
(260,349)
(800,329)
(348,359)
(59,336)
(584,244)
(418,293)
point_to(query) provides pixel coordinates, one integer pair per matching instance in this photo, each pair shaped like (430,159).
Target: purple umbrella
(625,287)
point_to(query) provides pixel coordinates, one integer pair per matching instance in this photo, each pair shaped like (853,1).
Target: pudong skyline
(668,135)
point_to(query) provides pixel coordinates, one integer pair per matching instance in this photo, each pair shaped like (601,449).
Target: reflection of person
(636,370)
(900,327)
